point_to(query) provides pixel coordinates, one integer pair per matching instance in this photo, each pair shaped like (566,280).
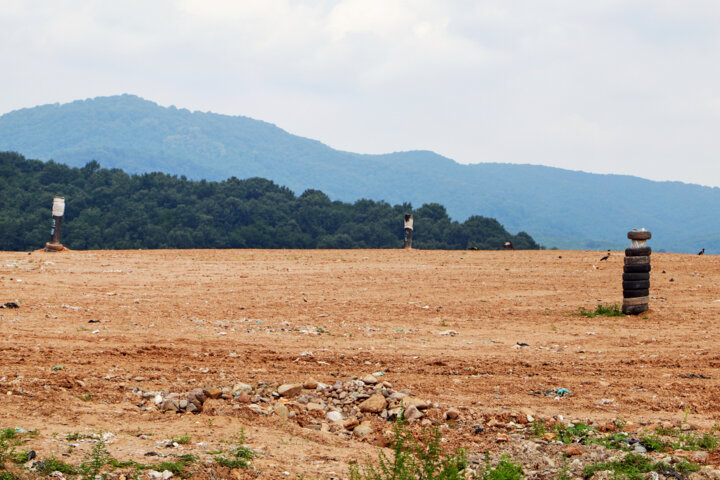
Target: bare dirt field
(95,331)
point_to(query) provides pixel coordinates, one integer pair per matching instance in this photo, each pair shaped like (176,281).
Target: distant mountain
(562,208)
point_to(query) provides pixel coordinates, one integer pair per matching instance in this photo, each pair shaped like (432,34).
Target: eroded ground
(443,325)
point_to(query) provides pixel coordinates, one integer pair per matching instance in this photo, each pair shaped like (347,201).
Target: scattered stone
(375,404)
(242,387)
(452,414)
(370,379)
(281,410)
(363,429)
(243,397)
(310,384)
(572,450)
(334,416)
(314,407)
(289,389)
(351,423)
(213,393)
(412,414)
(155,475)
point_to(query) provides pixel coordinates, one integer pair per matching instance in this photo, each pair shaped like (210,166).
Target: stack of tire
(636,274)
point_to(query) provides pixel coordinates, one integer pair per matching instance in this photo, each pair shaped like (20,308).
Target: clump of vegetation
(577,432)
(238,456)
(632,466)
(602,311)
(182,440)
(504,470)
(414,458)
(52,464)
(95,461)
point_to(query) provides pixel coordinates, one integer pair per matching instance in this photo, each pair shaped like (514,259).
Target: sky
(626,87)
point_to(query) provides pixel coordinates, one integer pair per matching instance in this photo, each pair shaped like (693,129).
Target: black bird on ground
(701,251)
(605,257)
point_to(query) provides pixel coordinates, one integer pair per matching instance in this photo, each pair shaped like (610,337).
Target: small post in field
(58,210)
(408,230)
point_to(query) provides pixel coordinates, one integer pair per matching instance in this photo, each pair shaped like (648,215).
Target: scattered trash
(563,392)
(452,333)
(378,374)
(10,305)
(57,367)
(523,344)
(96,331)
(93,321)
(694,375)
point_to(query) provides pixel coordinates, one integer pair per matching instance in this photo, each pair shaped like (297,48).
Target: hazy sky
(626,86)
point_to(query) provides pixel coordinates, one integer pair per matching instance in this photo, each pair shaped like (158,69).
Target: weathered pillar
(636,273)
(408,230)
(58,210)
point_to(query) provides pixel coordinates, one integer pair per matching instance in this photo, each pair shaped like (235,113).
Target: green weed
(633,466)
(239,456)
(602,311)
(183,440)
(504,470)
(414,458)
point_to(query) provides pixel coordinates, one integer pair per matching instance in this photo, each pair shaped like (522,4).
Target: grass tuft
(602,311)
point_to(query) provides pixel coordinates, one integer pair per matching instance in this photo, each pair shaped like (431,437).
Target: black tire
(637,268)
(634,309)
(636,285)
(643,260)
(636,293)
(638,252)
(639,235)
(629,277)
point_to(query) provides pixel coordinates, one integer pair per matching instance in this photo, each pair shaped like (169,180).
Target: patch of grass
(52,464)
(177,467)
(414,458)
(86,397)
(183,440)
(577,432)
(8,476)
(539,428)
(614,441)
(633,466)
(602,311)
(21,458)
(238,456)
(95,461)
(504,470)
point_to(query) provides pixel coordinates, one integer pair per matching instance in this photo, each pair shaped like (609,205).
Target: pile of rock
(174,402)
(347,406)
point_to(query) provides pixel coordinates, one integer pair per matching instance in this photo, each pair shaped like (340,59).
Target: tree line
(109,209)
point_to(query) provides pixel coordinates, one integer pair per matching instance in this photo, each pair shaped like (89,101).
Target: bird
(701,251)
(605,257)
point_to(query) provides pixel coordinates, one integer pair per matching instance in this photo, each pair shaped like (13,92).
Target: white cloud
(614,86)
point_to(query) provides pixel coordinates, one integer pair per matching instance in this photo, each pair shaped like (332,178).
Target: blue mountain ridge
(561,208)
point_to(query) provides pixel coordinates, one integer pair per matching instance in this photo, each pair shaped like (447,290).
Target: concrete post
(58,210)
(408,230)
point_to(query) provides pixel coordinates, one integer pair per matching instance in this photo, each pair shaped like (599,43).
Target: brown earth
(177,320)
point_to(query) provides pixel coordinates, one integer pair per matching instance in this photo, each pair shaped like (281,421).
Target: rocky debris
(155,475)
(175,402)
(375,404)
(289,389)
(452,414)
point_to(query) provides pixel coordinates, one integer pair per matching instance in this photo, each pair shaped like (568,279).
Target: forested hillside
(562,208)
(109,209)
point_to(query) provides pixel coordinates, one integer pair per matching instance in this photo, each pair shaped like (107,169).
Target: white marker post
(408,230)
(58,210)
